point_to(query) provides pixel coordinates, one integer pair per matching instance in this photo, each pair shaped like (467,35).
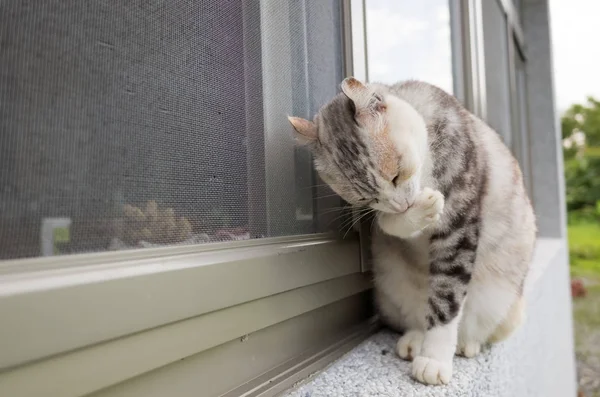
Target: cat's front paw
(427,208)
(409,345)
(425,211)
(390,224)
(468,349)
(431,371)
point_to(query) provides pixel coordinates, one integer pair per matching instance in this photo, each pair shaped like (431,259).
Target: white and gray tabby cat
(455,230)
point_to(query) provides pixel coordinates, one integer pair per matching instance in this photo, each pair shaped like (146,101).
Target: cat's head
(368,145)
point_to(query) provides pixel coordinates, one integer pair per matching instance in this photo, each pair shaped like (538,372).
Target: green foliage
(585,118)
(582,168)
(582,177)
(62,236)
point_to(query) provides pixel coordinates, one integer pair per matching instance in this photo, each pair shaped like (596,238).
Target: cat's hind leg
(492,312)
(512,321)
(409,344)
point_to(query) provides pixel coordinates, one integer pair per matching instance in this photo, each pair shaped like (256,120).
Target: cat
(455,230)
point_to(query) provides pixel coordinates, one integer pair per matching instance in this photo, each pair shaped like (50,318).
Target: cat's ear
(362,96)
(306,131)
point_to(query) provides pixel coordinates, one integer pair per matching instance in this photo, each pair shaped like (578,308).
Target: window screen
(149,123)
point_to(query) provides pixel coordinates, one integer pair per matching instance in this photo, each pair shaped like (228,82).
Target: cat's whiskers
(347,222)
(339,217)
(326,196)
(370,211)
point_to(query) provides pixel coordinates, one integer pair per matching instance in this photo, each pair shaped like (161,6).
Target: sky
(411,39)
(576,50)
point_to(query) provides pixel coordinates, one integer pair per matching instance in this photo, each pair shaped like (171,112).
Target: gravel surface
(586,313)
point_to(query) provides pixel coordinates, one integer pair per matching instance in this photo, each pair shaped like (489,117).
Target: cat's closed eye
(366,201)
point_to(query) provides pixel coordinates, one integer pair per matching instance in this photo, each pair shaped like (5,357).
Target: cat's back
(429,100)
(508,229)
(507,219)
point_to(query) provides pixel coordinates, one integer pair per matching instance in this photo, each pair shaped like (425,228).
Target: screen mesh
(150,123)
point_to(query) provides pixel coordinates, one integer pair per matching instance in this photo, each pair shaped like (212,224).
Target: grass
(592,151)
(584,253)
(584,250)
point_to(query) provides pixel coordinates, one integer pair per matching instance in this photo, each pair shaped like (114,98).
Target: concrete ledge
(537,361)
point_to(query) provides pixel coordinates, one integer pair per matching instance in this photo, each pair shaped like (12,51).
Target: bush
(582,176)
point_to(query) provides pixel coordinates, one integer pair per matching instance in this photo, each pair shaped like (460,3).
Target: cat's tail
(514,318)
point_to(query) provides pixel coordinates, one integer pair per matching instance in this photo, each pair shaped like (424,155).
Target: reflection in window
(517,5)
(409,40)
(140,124)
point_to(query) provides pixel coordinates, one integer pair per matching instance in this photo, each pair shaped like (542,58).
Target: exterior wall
(546,153)
(539,360)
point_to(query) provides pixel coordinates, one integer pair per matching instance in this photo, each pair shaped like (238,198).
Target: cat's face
(368,146)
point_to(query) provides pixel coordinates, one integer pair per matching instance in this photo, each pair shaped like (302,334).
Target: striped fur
(455,227)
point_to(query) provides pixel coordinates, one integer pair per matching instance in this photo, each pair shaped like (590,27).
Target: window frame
(83,314)
(519,102)
(475,77)
(521,105)
(137,283)
(97,306)
(469,62)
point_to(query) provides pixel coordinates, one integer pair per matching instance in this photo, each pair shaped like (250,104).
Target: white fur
(494,305)
(409,207)
(409,132)
(426,210)
(434,364)
(409,345)
(409,136)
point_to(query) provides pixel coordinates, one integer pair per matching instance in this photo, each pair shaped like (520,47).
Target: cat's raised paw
(428,207)
(409,345)
(431,371)
(468,349)
(425,211)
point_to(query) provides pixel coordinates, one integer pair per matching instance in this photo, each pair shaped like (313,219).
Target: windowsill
(373,368)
